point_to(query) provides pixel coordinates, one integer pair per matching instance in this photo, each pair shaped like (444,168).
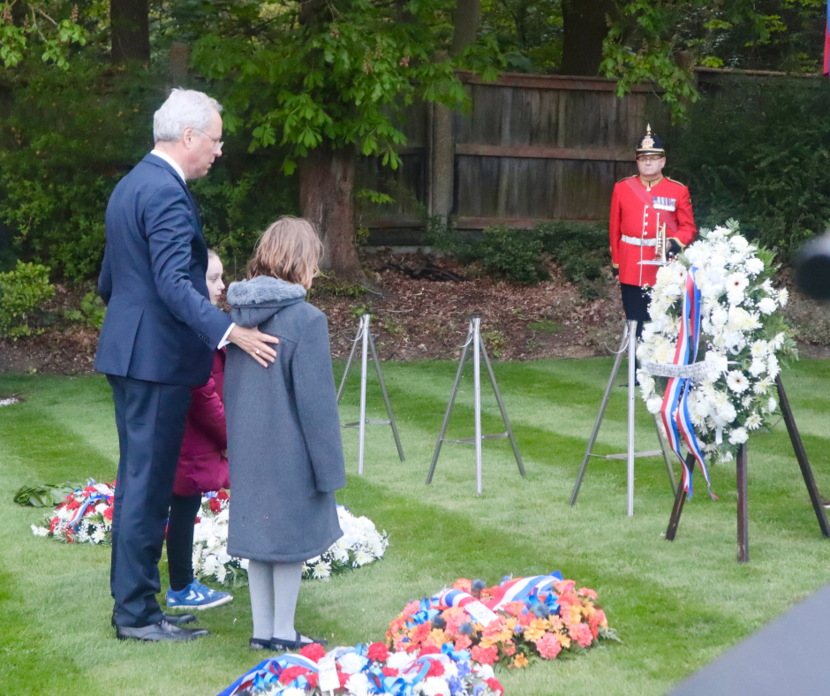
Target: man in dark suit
(157,343)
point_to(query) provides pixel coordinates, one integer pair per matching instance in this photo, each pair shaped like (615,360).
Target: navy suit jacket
(160,324)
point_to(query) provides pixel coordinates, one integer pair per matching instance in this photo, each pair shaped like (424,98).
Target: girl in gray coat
(284,448)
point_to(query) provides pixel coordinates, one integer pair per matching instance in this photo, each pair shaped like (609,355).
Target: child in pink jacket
(203,467)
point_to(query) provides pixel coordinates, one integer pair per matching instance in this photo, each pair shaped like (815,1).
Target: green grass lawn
(675,605)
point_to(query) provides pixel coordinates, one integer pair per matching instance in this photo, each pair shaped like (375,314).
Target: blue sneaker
(196,596)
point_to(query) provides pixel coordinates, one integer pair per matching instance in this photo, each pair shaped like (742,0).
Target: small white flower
(40,531)
(322,571)
(773,404)
(762,386)
(736,284)
(737,381)
(783,297)
(773,368)
(778,342)
(753,422)
(767,305)
(738,436)
(739,243)
(758,349)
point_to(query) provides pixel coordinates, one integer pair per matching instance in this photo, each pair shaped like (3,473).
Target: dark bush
(513,254)
(758,150)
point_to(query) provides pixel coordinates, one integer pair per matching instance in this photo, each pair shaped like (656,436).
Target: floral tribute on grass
(84,515)
(368,669)
(717,337)
(509,624)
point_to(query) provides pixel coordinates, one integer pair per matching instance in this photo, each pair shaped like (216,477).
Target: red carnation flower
(215,506)
(436,669)
(313,679)
(223,495)
(495,685)
(314,652)
(485,656)
(289,674)
(343,679)
(108,513)
(430,650)
(390,672)
(378,651)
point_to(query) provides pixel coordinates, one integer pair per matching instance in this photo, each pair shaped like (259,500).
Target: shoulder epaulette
(633,176)
(674,181)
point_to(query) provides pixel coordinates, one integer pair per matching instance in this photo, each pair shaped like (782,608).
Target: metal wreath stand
(364,336)
(629,342)
(479,351)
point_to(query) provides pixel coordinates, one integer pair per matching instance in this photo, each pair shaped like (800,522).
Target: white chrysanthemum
(759,349)
(772,405)
(647,383)
(738,436)
(758,367)
(762,386)
(40,531)
(737,381)
(778,342)
(754,266)
(773,368)
(361,558)
(739,318)
(767,305)
(653,405)
(753,422)
(754,322)
(322,571)
(98,536)
(783,296)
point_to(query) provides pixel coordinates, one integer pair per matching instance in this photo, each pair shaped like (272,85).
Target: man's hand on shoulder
(254,343)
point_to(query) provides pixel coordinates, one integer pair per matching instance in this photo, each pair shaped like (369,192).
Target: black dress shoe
(158,632)
(175,619)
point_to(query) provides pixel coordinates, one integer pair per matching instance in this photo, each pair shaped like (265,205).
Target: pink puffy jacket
(202,464)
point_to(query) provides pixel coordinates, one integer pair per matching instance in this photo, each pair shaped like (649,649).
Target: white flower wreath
(741,331)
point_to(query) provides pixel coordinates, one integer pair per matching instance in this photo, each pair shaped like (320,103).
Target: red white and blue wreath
(714,346)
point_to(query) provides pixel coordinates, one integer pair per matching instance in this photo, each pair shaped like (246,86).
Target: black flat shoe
(261,644)
(161,631)
(296,644)
(175,619)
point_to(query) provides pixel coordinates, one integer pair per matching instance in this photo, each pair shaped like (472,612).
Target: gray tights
(274,588)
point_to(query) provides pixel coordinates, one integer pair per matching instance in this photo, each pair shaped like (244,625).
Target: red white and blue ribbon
(825,63)
(675,409)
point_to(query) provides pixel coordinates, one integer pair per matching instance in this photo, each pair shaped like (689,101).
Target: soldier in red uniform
(640,205)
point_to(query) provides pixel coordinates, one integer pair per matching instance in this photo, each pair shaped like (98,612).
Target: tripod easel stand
(367,343)
(741,468)
(474,337)
(629,341)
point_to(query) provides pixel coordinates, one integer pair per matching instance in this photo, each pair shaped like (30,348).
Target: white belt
(636,241)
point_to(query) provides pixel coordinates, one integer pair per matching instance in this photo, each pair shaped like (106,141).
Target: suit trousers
(150,418)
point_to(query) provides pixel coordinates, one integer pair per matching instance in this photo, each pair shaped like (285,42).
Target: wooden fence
(532,148)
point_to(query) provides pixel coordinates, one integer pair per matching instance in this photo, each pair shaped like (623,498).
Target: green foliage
(45,495)
(759,151)
(35,30)
(334,74)
(22,293)
(581,250)
(514,254)
(94,309)
(547,326)
(644,40)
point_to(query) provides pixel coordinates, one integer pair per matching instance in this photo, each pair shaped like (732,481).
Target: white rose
(767,305)
(739,318)
(739,243)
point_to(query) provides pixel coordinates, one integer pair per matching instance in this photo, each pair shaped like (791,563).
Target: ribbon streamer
(675,408)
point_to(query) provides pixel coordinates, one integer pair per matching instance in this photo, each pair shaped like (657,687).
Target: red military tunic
(636,210)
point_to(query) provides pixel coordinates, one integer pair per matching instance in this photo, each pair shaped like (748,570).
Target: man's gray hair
(184,108)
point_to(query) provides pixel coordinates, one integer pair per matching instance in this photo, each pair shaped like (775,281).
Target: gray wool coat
(284,447)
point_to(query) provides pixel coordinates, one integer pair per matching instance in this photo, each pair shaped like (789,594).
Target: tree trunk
(466,20)
(585,28)
(326,186)
(130,30)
